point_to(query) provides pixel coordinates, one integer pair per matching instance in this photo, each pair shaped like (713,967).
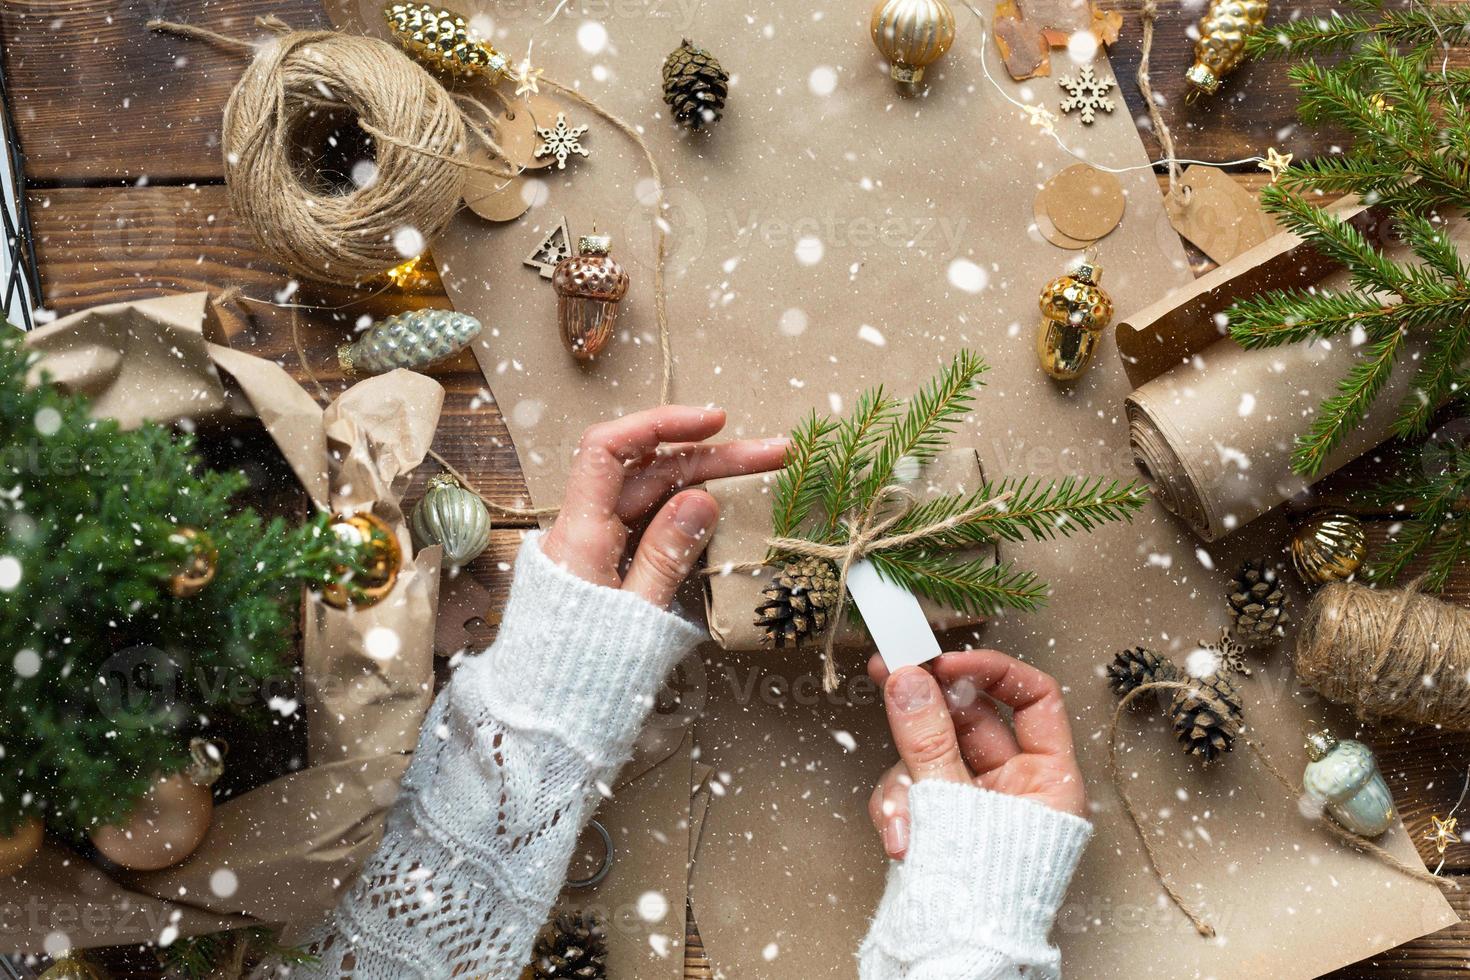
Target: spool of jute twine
(296,80)
(1388,653)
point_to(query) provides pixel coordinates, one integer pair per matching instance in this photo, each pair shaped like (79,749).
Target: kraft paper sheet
(829,235)
(296,842)
(1214,425)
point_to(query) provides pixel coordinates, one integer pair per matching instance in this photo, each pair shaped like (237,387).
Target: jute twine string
(865,534)
(1291,788)
(1390,653)
(420,131)
(1146,89)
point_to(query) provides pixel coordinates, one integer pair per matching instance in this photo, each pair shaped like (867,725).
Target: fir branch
(800,482)
(1291,316)
(975,588)
(1436,524)
(852,454)
(924,427)
(1346,409)
(1339,32)
(1030,508)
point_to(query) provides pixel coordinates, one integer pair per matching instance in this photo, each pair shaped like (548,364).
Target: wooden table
(120,129)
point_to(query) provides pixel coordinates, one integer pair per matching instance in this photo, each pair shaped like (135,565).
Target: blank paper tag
(1222,218)
(893,617)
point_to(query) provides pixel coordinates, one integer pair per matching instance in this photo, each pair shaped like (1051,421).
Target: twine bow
(865,535)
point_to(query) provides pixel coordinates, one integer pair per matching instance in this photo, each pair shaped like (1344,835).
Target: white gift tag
(893,617)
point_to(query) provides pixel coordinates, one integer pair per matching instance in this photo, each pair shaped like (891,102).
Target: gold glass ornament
(589,286)
(1221,45)
(71,966)
(1344,778)
(912,35)
(199,568)
(382,560)
(454,517)
(17,849)
(1074,312)
(167,824)
(1329,546)
(441,40)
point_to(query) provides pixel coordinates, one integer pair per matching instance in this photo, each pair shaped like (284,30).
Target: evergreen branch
(1338,32)
(1346,409)
(1430,241)
(800,482)
(1031,508)
(1441,374)
(1336,239)
(924,427)
(1291,316)
(975,588)
(852,453)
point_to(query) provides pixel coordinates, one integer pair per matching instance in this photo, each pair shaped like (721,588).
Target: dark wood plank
(99,97)
(99,245)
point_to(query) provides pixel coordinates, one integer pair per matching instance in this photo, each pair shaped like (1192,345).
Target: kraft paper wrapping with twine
(1213,424)
(745,525)
(297,841)
(825,238)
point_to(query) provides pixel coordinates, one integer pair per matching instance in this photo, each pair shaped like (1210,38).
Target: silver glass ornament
(454,517)
(1344,778)
(411,340)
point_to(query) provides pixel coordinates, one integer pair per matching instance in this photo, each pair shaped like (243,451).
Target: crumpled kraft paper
(296,842)
(828,235)
(731,597)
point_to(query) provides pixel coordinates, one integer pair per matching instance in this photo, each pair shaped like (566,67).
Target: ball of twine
(419,136)
(1388,653)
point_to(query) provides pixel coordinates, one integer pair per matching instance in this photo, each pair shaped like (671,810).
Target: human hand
(946,726)
(623,469)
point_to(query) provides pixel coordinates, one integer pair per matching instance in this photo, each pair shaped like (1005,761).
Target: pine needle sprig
(851,454)
(923,429)
(1338,32)
(1434,505)
(1029,508)
(975,588)
(799,485)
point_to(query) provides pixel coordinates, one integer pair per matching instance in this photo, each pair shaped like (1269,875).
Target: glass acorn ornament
(1329,546)
(441,40)
(412,340)
(1343,777)
(1221,45)
(454,517)
(589,286)
(912,35)
(1074,312)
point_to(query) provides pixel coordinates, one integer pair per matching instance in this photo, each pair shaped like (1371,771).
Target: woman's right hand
(946,726)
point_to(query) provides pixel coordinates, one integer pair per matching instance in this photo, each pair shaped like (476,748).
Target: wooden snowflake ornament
(1087,93)
(561,141)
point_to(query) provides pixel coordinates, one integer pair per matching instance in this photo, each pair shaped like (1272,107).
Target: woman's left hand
(626,467)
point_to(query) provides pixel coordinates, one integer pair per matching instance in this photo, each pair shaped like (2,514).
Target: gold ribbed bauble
(1329,546)
(17,850)
(167,824)
(1221,45)
(912,35)
(1074,312)
(382,557)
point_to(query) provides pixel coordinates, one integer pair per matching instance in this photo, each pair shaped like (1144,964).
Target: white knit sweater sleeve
(975,896)
(507,772)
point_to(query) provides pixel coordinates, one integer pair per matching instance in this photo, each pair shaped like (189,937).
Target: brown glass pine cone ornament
(572,946)
(798,602)
(1208,717)
(695,86)
(1257,602)
(1134,668)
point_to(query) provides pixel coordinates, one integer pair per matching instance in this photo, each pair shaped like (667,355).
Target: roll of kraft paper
(1213,425)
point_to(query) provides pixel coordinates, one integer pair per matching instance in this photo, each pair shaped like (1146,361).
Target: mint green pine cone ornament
(412,340)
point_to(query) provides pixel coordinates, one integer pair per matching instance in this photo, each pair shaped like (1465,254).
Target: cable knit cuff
(983,870)
(581,660)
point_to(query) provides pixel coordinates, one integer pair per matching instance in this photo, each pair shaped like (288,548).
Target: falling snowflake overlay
(1087,93)
(561,140)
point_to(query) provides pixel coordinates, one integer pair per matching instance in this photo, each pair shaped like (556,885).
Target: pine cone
(798,602)
(1134,668)
(1208,717)
(695,86)
(572,945)
(1257,603)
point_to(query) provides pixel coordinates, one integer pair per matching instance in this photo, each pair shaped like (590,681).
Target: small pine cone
(1134,668)
(695,86)
(573,945)
(1208,717)
(798,602)
(1257,602)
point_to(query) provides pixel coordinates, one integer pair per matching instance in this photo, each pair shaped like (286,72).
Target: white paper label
(893,617)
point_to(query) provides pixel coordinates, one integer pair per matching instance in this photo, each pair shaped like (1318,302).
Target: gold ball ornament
(167,824)
(1329,546)
(17,850)
(1221,45)
(912,35)
(1074,312)
(382,560)
(199,568)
